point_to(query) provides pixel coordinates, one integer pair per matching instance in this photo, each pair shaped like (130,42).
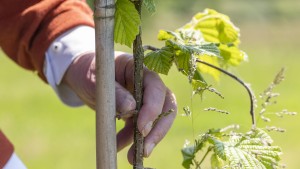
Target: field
(50,135)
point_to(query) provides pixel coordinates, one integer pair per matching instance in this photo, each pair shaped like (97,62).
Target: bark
(106,150)
(138,54)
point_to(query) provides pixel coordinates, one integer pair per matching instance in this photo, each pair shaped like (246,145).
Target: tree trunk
(105,85)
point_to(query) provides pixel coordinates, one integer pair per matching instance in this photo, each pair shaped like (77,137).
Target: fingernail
(148,149)
(126,115)
(147,129)
(127,108)
(130,104)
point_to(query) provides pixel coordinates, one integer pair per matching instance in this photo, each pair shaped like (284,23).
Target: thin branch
(138,54)
(251,95)
(208,150)
(149,47)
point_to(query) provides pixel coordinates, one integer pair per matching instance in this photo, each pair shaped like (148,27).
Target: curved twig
(251,95)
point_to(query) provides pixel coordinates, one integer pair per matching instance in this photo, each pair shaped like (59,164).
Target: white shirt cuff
(60,55)
(14,163)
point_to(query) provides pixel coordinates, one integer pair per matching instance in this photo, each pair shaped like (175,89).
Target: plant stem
(138,54)
(149,47)
(251,95)
(208,150)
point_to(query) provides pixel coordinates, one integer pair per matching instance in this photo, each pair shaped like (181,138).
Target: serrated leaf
(216,162)
(210,37)
(219,147)
(184,54)
(206,69)
(189,152)
(232,55)
(166,35)
(241,159)
(127,21)
(215,27)
(262,135)
(159,61)
(150,6)
(209,49)
(253,150)
(198,83)
(239,150)
(182,60)
(268,162)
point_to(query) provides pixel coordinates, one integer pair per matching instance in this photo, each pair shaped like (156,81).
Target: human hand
(81,77)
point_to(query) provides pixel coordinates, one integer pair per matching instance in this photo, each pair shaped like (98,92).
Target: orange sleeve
(6,150)
(27,27)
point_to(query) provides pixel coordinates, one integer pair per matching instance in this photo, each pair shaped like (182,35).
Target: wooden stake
(105,80)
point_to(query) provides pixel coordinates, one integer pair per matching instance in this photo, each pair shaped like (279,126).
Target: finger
(121,61)
(125,136)
(125,103)
(162,126)
(130,154)
(153,101)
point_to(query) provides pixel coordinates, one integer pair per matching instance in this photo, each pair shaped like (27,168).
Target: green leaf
(210,37)
(215,27)
(185,53)
(216,162)
(236,150)
(241,159)
(150,6)
(209,49)
(219,147)
(159,61)
(188,154)
(206,69)
(90,3)
(183,59)
(252,150)
(262,135)
(166,35)
(198,83)
(232,55)
(187,45)
(127,21)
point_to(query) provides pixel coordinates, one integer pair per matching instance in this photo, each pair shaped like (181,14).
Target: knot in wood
(107,11)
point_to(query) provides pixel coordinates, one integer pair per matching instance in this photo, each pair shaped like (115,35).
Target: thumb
(125,103)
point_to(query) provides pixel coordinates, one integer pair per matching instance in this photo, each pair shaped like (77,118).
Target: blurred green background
(50,135)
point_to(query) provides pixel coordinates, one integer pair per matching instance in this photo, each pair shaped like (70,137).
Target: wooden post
(106,149)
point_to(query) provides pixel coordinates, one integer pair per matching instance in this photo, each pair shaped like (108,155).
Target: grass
(50,135)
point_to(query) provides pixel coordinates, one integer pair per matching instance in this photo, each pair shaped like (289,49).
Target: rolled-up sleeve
(28,27)
(6,150)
